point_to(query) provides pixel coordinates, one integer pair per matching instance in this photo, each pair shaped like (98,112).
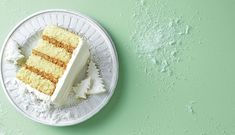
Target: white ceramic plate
(102,49)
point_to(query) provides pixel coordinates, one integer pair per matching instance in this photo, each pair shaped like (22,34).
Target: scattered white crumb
(173,53)
(187,29)
(145,70)
(154,60)
(190,108)
(172,42)
(157,39)
(133,15)
(170,24)
(164,65)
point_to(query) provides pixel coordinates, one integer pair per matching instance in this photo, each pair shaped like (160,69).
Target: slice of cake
(54,63)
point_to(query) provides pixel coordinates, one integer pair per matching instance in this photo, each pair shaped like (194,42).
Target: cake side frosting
(78,61)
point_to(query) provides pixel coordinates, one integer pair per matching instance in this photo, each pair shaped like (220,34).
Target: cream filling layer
(62,35)
(55,52)
(44,65)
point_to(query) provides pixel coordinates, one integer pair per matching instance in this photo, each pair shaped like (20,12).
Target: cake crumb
(190,108)
(187,29)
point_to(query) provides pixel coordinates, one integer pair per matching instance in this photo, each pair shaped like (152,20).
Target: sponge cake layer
(52,51)
(44,65)
(36,81)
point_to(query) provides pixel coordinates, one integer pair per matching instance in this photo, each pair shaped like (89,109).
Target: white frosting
(77,62)
(97,84)
(82,88)
(14,54)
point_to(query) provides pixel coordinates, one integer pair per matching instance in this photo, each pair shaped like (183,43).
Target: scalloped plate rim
(115,68)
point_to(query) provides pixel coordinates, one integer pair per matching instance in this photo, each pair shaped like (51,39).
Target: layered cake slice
(54,63)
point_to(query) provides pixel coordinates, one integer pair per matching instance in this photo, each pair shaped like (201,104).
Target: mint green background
(138,105)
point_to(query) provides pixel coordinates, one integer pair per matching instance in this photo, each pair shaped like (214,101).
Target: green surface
(143,104)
